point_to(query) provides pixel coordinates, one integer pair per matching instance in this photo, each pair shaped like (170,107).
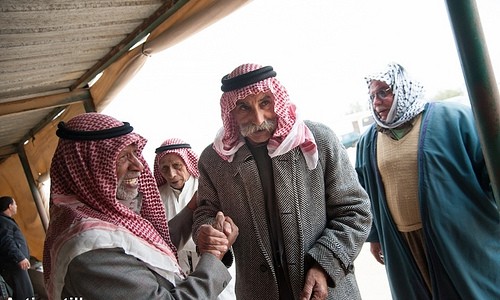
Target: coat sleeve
(112,274)
(347,209)
(180,227)
(8,245)
(208,199)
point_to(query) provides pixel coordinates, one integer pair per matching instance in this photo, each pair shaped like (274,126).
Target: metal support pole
(480,82)
(34,190)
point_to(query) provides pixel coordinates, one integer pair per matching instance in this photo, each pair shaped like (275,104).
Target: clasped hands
(217,238)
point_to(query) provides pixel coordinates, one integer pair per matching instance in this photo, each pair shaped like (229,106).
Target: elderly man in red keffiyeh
(108,236)
(176,174)
(289,186)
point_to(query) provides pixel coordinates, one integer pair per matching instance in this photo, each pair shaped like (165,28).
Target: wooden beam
(54,101)
(8,150)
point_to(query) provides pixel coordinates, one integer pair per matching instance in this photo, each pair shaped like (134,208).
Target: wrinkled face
(128,170)
(382,97)
(174,170)
(256,117)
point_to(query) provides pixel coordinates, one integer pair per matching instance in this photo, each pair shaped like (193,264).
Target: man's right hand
(230,230)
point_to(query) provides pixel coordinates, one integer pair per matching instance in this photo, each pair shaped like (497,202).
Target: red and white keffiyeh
(290,131)
(186,154)
(85,213)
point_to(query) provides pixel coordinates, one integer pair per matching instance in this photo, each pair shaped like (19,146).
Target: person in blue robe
(436,225)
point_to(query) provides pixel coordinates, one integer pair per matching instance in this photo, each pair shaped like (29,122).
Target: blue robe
(460,219)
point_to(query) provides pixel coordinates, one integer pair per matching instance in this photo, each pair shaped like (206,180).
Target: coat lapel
(285,177)
(247,170)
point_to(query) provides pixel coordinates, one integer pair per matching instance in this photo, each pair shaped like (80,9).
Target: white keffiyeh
(408,96)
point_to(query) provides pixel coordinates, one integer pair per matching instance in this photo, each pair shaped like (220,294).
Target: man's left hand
(315,286)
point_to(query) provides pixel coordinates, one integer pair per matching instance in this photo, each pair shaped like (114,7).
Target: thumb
(219,221)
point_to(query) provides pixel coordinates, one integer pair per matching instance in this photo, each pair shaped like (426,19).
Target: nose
(377,100)
(171,172)
(258,117)
(135,163)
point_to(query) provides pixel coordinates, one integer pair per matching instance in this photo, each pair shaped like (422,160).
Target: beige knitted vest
(397,162)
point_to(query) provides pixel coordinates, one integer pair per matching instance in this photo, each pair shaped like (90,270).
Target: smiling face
(256,117)
(382,97)
(128,170)
(174,170)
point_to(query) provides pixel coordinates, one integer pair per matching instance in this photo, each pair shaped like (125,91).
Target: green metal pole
(480,82)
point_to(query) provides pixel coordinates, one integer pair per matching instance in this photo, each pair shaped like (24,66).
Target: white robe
(174,201)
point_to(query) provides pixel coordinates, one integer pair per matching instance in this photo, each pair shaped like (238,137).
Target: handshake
(217,238)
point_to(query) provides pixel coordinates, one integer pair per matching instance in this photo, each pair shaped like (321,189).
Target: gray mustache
(247,130)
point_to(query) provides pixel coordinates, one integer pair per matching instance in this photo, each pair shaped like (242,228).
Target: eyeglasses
(131,157)
(381,94)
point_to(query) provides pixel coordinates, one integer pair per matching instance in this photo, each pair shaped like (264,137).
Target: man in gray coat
(289,187)
(108,236)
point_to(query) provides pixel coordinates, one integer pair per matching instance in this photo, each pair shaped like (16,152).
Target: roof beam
(8,150)
(54,101)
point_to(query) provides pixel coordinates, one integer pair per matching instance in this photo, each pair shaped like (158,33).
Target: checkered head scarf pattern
(408,96)
(187,155)
(86,169)
(290,130)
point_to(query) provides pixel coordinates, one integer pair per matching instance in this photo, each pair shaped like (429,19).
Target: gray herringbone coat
(325,215)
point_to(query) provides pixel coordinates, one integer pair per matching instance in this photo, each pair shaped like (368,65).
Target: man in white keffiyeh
(108,236)
(289,186)
(432,203)
(407,99)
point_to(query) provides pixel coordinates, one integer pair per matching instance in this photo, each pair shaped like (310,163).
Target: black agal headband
(171,147)
(230,84)
(76,135)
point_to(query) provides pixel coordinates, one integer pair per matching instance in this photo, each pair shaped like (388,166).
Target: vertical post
(480,82)
(34,190)
(88,104)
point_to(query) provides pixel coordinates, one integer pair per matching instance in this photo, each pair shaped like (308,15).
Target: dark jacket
(13,246)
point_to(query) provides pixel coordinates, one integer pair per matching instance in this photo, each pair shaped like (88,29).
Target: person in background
(108,236)
(14,252)
(289,186)
(176,174)
(436,223)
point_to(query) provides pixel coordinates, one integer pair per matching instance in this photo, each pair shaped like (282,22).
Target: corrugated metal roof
(49,52)
(53,47)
